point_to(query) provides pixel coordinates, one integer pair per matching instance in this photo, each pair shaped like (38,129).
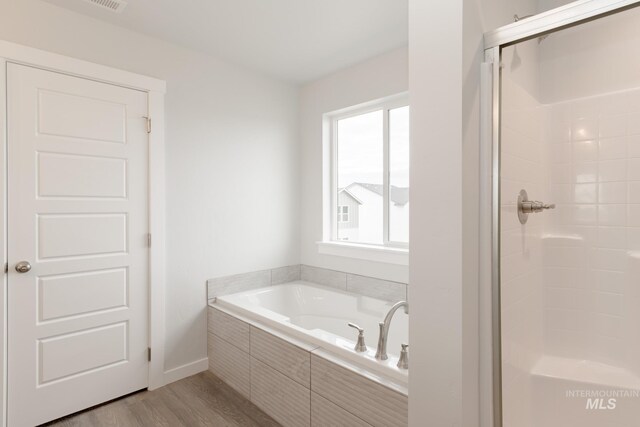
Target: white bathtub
(319,315)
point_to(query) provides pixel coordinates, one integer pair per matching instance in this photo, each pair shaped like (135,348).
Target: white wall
(445,44)
(545,5)
(595,58)
(231,147)
(379,77)
(435,81)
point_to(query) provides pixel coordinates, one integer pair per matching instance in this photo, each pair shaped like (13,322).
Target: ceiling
(294,40)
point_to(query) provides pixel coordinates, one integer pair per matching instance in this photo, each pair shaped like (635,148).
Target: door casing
(155,88)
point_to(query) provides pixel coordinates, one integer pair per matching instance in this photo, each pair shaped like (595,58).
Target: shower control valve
(526,206)
(535,206)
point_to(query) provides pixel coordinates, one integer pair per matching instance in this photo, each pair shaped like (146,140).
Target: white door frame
(155,88)
(572,14)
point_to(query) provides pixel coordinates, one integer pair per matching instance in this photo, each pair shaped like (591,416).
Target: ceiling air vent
(116,6)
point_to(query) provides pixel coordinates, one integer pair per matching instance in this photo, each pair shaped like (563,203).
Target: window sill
(398,256)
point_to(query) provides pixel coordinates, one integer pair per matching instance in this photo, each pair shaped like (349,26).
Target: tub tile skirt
(294,385)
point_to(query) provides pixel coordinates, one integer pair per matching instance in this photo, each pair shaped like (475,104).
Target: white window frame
(330,244)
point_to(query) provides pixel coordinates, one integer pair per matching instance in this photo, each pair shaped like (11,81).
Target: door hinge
(149,239)
(148,123)
(149,354)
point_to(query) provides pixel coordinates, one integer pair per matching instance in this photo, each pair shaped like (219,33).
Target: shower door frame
(570,15)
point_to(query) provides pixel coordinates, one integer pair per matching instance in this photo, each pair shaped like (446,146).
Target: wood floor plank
(232,405)
(151,412)
(115,414)
(202,400)
(190,408)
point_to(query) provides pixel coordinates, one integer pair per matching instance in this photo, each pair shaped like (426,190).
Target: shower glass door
(570,275)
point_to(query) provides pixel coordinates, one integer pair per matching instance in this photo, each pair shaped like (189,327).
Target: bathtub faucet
(381,353)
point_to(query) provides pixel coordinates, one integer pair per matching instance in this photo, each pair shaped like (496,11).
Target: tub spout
(381,352)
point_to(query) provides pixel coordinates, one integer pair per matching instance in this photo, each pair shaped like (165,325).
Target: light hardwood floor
(200,400)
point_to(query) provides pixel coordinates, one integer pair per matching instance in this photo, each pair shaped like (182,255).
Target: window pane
(360,153)
(399,174)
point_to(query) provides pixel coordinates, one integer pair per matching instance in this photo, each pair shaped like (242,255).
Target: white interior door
(77,213)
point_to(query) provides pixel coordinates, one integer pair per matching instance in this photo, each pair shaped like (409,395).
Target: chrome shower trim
(495,239)
(553,20)
(527,207)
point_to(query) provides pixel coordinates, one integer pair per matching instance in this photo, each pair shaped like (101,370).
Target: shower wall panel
(591,242)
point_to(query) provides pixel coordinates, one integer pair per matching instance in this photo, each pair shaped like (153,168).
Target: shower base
(571,392)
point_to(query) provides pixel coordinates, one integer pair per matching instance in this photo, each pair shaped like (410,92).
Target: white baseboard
(185,371)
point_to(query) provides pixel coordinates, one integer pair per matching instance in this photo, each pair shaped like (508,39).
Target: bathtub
(319,316)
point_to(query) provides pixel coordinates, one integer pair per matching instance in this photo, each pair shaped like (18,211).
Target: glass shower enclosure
(566,218)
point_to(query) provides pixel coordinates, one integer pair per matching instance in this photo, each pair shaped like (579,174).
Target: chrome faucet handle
(403,362)
(526,206)
(353,325)
(360,346)
(535,206)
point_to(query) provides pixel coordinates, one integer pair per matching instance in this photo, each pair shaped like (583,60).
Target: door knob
(23,267)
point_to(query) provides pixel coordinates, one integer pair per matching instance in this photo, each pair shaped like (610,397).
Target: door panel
(66,355)
(65,175)
(80,235)
(71,115)
(77,212)
(64,295)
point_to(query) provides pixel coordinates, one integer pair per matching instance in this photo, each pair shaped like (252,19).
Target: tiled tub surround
(357,284)
(299,372)
(298,383)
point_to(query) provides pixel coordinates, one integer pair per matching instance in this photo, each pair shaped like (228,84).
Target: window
(343,213)
(370,174)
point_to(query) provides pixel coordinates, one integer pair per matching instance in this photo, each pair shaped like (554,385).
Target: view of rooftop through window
(360,170)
